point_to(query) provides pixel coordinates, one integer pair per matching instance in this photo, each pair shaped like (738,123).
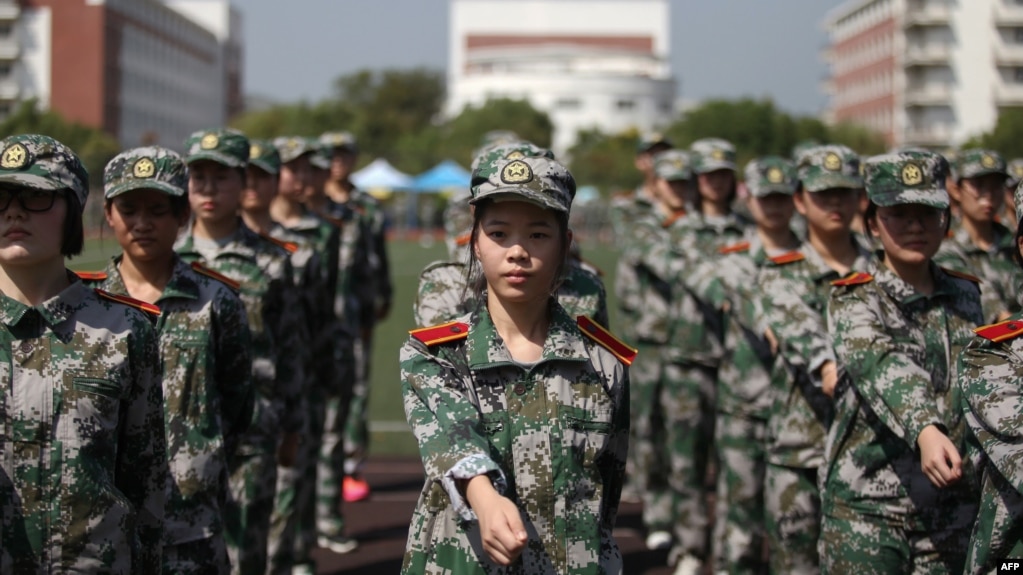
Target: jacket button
(1013,326)
(520,389)
(25,347)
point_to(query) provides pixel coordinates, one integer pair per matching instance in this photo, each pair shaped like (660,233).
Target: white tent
(381,175)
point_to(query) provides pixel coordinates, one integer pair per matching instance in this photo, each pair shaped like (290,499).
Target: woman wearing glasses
(83,464)
(897,497)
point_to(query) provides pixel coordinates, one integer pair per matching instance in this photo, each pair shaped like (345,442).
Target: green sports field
(389,433)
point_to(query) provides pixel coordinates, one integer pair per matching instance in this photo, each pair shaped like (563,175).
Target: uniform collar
(1004,239)
(306,222)
(243,243)
(905,294)
(180,284)
(821,271)
(54,311)
(486,349)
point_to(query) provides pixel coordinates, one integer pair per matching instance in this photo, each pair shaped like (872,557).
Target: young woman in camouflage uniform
(521,412)
(897,497)
(990,371)
(83,470)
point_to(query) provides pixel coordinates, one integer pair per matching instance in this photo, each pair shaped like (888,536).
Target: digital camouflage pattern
(673,165)
(541,181)
(827,167)
(457,225)
(1014,170)
(339,141)
(147,168)
(770,175)
(990,370)
(264,155)
(271,303)
(509,151)
(84,456)
(907,178)
(553,437)
(974,163)
(292,148)
(1000,276)
(40,162)
(894,344)
(221,145)
(204,341)
(711,154)
(442,294)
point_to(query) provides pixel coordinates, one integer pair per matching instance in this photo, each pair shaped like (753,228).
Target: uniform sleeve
(284,317)
(438,297)
(142,468)
(363,275)
(602,316)
(989,377)
(446,424)
(382,271)
(800,327)
(619,451)
(895,388)
(233,360)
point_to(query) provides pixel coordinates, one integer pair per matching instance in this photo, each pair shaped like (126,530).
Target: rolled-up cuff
(465,469)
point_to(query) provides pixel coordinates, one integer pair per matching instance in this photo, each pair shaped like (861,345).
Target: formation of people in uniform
(830,347)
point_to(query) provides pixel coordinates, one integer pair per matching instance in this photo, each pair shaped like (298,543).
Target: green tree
(461,135)
(94,147)
(865,141)
(1005,137)
(606,161)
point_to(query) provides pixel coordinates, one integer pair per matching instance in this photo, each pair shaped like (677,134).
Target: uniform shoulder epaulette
(854,279)
(289,247)
(962,275)
(789,258)
(668,221)
(92,276)
(734,248)
(597,333)
(129,301)
(442,333)
(1002,331)
(463,240)
(201,269)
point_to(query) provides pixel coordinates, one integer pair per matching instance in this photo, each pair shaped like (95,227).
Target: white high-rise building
(925,72)
(586,63)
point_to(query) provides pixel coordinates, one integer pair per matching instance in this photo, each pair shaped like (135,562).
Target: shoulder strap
(1000,332)
(289,247)
(442,333)
(129,301)
(597,333)
(789,258)
(962,275)
(855,278)
(201,269)
(92,276)
(734,248)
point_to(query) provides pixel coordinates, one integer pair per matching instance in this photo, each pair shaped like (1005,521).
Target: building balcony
(1007,15)
(10,91)
(928,55)
(926,14)
(928,95)
(930,136)
(1008,54)
(9,11)
(1009,95)
(9,49)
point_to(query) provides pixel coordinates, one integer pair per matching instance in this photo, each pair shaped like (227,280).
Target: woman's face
(296,176)
(260,189)
(214,191)
(909,233)
(144,224)
(31,226)
(519,249)
(829,211)
(773,211)
(979,198)
(716,187)
(672,193)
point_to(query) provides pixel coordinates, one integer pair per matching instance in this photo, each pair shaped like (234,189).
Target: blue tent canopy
(445,175)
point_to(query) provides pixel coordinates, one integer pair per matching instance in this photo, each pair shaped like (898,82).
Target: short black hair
(73,241)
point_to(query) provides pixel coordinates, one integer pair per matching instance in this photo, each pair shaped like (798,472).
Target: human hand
(939,459)
(829,378)
(504,537)
(772,340)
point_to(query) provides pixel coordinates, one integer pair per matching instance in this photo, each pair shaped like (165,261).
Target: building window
(625,104)
(1017,75)
(568,104)
(1018,35)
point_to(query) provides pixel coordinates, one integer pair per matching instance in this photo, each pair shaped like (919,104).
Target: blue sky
(720,48)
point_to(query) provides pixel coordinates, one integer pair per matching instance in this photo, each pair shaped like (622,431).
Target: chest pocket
(185,367)
(495,428)
(586,434)
(90,406)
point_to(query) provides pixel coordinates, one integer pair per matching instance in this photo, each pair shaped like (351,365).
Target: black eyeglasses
(29,200)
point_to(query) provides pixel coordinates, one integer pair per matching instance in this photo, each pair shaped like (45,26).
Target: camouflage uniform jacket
(792,300)
(442,296)
(695,327)
(207,392)
(84,456)
(999,275)
(355,263)
(629,227)
(553,437)
(272,305)
(629,208)
(370,269)
(898,347)
(642,279)
(728,283)
(380,265)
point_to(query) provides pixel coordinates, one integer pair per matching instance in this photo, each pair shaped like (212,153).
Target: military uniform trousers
(998,532)
(648,452)
(253,484)
(792,507)
(739,510)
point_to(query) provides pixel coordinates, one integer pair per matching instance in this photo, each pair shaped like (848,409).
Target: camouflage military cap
(222,145)
(673,165)
(1015,170)
(148,168)
(331,141)
(907,178)
(321,158)
(293,147)
(264,155)
(42,163)
(649,140)
(974,163)
(828,167)
(510,151)
(458,215)
(538,180)
(770,175)
(712,154)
